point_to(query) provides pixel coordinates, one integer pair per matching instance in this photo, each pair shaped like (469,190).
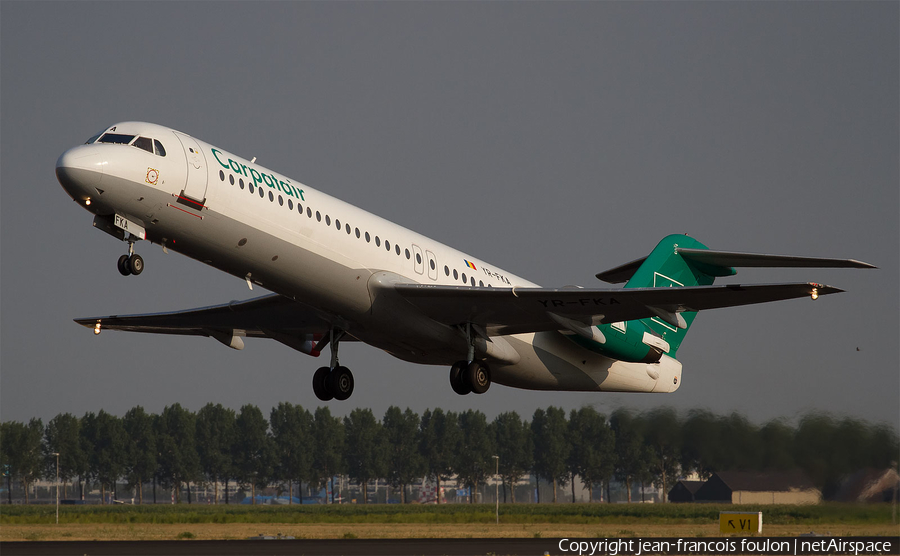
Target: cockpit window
(92,139)
(144,143)
(116,138)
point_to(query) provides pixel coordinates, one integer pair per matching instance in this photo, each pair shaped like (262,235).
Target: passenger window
(231,179)
(348,229)
(455,274)
(397,249)
(318,216)
(262,194)
(357,233)
(446,271)
(377,241)
(368,239)
(407,253)
(387,245)
(271,197)
(143,143)
(159,148)
(221,175)
(280,201)
(290,205)
(464,277)
(327,220)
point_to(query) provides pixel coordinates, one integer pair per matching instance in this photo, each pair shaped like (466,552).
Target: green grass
(448,513)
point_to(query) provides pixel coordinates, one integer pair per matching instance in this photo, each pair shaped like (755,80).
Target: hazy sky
(554,140)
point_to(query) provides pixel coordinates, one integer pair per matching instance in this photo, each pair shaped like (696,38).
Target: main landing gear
(470,375)
(132,263)
(334,382)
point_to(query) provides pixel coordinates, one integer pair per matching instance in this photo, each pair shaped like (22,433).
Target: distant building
(684,491)
(745,487)
(869,485)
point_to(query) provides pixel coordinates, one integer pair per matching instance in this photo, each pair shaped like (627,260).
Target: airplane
(339,273)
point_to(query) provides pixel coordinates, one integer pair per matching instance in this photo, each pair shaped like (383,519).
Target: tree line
(295,446)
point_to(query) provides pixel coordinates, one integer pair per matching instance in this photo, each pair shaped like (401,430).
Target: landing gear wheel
(123,266)
(340,383)
(478,376)
(320,388)
(136,264)
(458,378)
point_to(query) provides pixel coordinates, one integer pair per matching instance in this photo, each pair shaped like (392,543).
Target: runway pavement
(311,547)
(464,547)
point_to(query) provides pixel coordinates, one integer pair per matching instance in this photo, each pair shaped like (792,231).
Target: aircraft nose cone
(80,170)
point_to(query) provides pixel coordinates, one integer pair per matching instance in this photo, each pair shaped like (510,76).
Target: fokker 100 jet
(340,274)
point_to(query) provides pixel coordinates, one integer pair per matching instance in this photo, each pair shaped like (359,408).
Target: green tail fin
(663,268)
(682,261)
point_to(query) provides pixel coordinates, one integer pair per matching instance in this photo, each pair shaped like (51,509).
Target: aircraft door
(432,265)
(417,259)
(195,186)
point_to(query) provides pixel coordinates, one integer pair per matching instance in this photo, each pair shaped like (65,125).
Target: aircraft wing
(270,316)
(519,310)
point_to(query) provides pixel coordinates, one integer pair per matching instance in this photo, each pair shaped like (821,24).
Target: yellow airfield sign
(740,522)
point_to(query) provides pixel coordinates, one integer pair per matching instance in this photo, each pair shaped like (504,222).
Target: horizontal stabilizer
(729,258)
(722,263)
(621,273)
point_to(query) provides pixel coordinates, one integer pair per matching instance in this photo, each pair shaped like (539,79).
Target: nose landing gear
(132,263)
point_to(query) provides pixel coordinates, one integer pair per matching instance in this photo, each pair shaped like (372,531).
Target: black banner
(726,545)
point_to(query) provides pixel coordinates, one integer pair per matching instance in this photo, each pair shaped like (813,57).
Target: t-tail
(680,261)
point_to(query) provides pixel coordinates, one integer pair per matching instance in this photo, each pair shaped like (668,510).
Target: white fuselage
(301,243)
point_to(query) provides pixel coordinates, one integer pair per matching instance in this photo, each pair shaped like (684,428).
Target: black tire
(340,383)
(136,264)
(122,265)
(478,376)
(320,385)
(458,378)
